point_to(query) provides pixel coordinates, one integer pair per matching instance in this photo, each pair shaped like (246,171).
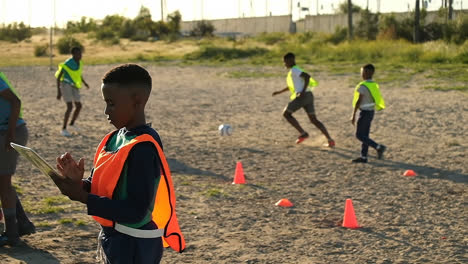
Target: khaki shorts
(306,101)
(9,158)
(69,92)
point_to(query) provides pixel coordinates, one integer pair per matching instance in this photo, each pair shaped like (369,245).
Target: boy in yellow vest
(367,97)
(12,129)
(298,83)
(129,192)
(69,79)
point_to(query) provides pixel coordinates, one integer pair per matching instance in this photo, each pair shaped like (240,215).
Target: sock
(20,213)
(11,228)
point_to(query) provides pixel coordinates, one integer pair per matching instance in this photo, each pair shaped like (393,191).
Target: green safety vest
(4,78)
(290,83)
(374,91)
(74,74)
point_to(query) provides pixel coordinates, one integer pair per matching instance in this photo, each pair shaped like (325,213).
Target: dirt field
(405,219)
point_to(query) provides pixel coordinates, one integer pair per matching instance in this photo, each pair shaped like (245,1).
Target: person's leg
(148,250)
(319,125)
(292,107)
(310,110)
(67,114)
(363,130)
(118,248)
(8,198)
(78,107)
(25,227)
(293,121)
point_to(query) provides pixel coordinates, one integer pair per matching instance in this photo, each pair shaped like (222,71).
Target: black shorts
(306,101)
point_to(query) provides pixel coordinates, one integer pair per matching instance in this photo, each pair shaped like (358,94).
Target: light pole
(52,26)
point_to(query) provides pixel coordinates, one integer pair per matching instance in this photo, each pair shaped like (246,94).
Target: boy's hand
(70,188)
(275,93)
(9,138)
(69,168)
(353,120)
(87,86)
(59,95)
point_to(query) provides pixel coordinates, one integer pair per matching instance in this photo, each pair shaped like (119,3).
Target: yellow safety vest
(4,78)
(375,93)
(74,74)
(290,83)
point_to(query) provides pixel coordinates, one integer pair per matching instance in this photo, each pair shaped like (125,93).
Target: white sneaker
(74,128)
(65,133)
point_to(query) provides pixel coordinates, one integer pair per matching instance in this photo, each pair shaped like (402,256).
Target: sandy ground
(405,219)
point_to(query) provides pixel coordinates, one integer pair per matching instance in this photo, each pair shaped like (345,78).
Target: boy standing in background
(367,97)
(69,79)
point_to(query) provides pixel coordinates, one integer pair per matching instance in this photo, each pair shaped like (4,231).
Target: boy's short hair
(369,67)
(289,56)
(129,75)
(75,49)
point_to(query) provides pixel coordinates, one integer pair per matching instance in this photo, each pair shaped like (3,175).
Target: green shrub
(85,25)
(203,29)
(271,38)
(41,50)
(105,33)
(64,44)
(128,29)
(367,27)
(340,35)
(461,25)
(391,28)
(15,32)
(223,54)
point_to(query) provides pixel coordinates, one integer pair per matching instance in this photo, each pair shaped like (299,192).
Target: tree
(416,28)
(450,10)
(368,25)
(350,20)
(343,8)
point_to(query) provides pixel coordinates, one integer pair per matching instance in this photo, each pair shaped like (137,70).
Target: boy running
(367,97)
(129,192)
(298,83)
(69,79)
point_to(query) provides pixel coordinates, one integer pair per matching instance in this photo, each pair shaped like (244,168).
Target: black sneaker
(380,151)
(26,229)
(359,160)
(4,240)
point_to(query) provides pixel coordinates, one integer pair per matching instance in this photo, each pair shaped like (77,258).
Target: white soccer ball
(225,130)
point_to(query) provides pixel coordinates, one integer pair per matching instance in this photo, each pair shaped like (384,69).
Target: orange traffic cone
(284,203)
(349,219)
(410,173)
(239,174)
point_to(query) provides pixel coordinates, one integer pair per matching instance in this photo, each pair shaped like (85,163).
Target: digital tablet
(35,159)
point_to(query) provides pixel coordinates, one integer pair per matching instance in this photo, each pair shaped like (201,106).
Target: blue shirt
(71,63)
(5,109)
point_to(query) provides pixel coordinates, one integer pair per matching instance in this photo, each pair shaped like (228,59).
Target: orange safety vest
(107,169)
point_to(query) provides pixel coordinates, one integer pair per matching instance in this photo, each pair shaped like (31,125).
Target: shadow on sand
(27,254)
(179,167)
(428,171)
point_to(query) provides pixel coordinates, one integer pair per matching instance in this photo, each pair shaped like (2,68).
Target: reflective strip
(367,105)
(138,232)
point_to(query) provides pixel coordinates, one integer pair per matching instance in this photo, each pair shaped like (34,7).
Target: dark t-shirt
(143,169)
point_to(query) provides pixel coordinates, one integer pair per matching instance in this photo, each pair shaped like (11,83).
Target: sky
(41,12)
